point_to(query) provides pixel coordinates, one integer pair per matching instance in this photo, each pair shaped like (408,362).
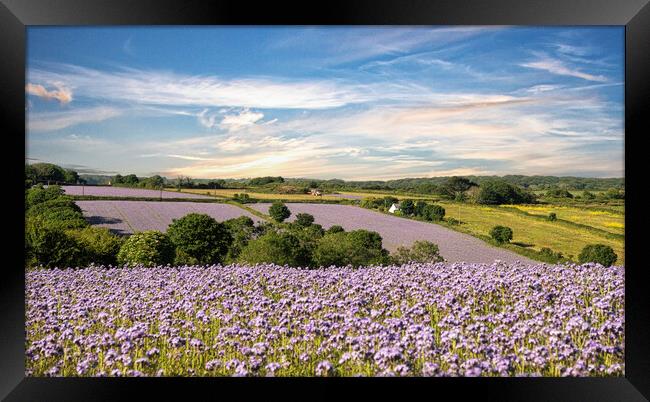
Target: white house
(393,208)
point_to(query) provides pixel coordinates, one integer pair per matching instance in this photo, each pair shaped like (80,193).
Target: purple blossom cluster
(266,320)
(396,231)
(109,191)
(126,217)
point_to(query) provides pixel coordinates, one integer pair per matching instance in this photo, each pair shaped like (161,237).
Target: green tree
(49,246)
(552,217)
(98,245)
(419,208)
(496,192)
(501,234)
(356,248)
(422,251)
(598,253)
(241,230)
(455,187)
(199,239)
(148,248)
(335,229)
(130,179)
(304,220)
(433,212)
(279,212)
(407,207)
(275,248)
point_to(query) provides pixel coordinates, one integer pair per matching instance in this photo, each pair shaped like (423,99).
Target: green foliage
(559,193)
(278,248)
(49,246)
(552,216)
(419,208)
(59,212)
(553,256)
(433,212)
(453,221)
(598,253)
(587,195)
(242,198)
(407,207)
(421,251)
(304,220)
(260,181)
(501,234)
(241,230)
(148,248)
(279,212)
(389,201)
(356,248)
(48,172)
(496,192)
(98,245)
(335,229)
(615,194)
(40,194)
(199,239)
(455,187)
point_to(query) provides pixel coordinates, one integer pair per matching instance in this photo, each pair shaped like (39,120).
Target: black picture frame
(15,15)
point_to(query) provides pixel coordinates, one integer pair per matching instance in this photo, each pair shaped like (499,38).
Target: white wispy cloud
(49,121)
(555,66)
(170,89)
(61,93)
(245,118)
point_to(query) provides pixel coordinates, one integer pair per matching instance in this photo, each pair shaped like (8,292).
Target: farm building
(393,208)
(316,192)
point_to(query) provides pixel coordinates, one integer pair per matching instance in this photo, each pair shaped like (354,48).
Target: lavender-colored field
(126,217)
(108,191)
(265,320)
(395,231)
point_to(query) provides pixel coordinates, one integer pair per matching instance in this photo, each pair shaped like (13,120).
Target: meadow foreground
(266,320)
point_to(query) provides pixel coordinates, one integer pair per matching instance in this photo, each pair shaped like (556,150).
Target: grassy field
(229,193)
(380,194)
(609,221)
(535,232)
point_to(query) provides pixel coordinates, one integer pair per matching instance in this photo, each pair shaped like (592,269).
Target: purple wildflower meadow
(266,320)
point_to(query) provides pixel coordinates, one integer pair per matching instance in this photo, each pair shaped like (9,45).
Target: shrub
(356,248)
(501,234)
(148,248)
(304,220)
(98,245)
(549,253)
(407,207)
(275,248)
(495,192)
(453,221)
(421,251)
(552,217)
(587,195)
(279,212)
(335,229)
(419,208)
(199,239)
(50,246)
(598,253)
(39,194)
(388,201)
(241,231)
(433,212)
(559,193)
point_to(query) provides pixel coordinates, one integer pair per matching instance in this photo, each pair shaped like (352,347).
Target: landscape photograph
(331,201)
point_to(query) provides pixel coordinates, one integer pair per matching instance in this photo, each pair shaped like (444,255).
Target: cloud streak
(61,93)
(50,121)
(555,66)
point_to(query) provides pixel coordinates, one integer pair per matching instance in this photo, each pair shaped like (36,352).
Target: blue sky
(327,102)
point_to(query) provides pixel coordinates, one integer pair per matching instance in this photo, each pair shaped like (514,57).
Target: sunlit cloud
(61,93)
